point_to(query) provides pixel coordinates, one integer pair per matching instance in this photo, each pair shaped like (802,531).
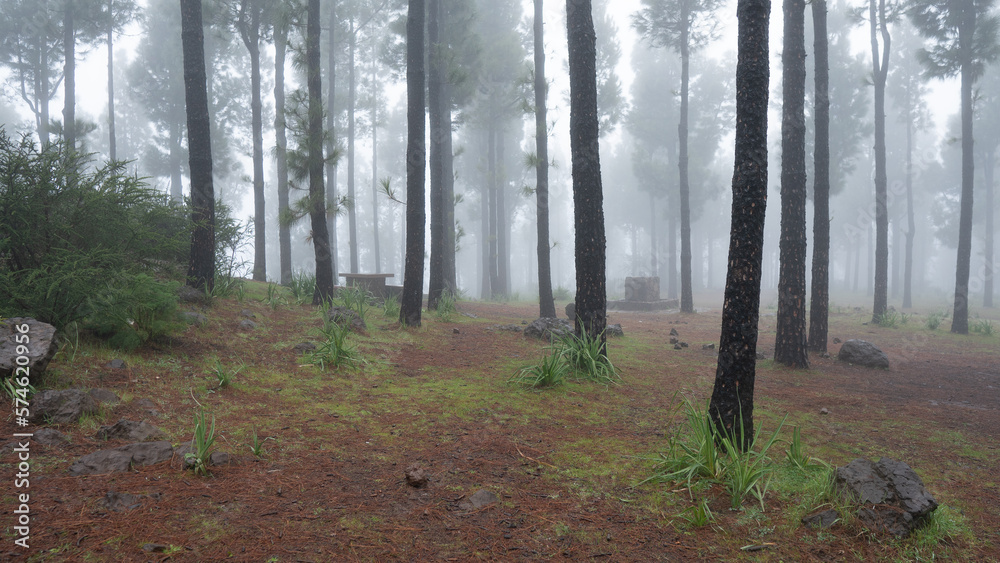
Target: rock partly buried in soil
(188,294)
(104,396)
(50,437)
(863,353)
(304,347)
(479,499)
(149,453)
(823,519)
(41,346)
(247,324)
(192,318)
(545,328)
(121,501)
(134,431)
(247,314)
(61,406)
(614,330)
(116,363)
(343,316)
(889,494)
(416,476)
(100,462)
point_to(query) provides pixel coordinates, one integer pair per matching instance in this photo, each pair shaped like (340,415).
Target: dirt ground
(332,486)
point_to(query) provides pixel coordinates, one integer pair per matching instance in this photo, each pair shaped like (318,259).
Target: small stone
(479,499)
(104,396)
(673,340)
(614,330)
(187,294)
(708,346)
(154,547)
(116,363)
(61,406)
(120,501)
(303,347)
(823,519)
(219,458)
(761,356)
(454,331)
(41,346)
(49,437)
(416,476)
(837,341)
(677,347)
(673,332)
(136,431)
(684,344)
(863,353)
(824,410)
(149,453)
(247,324)
(196,319)
(247,314)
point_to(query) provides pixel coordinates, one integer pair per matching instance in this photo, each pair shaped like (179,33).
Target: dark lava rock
(130,430)
(121,501)
(116,363)
(41,346)
(218,458)
(673,332)
(61,406)
(303,347)
(674,340)
(247,324)
(104,396)
(823,519)
(677,347)
(192,318)
(416,476)
(49,437)
(889,494)
(614,330)
(708,346)
(549,329)
(149,453)
(479,499)
(247,314)
(863,353)
(343,316)
(100,462)
(188,294)
(154,547)
(571,311)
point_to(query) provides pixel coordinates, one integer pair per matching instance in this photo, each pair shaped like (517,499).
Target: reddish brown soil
(341,496)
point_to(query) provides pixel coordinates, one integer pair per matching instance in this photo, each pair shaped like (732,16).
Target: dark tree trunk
(413,277)
(317,203)
(331,147)
(790,342)
(546,303)
(250,33)
(375,99)
(910,222)
(880,71)
(112,141)
(820,297)
(69,78)
(436,77)
(960,317)
(448,190)
(687,301)
(671,254)
(988,250)
(491,166)
(732,396)
(352,216)
(281,150)
(174,160)
(485,212)
(201,265)
(503,225)
(588,196)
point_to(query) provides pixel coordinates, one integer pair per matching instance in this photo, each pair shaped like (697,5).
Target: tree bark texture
(546,303)
(317,203)
(687,300)
(331,148)
(69,77)
(281,151)
(790,342)
(250,33)
(436,77)
(588,197)
(880,71)
(352,216)
(960,316)
(201,264)
(731,407)
(413,276)
(988,251)
(820,298)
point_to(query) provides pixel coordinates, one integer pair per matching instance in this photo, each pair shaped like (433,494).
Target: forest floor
(565,463)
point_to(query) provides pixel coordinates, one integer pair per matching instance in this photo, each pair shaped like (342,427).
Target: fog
(490,67)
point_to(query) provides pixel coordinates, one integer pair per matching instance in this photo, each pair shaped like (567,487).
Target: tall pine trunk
(352,216)
(331,147)
(960,317)
(588,196)
(880,72)
(281,150)
(503,225)
(820,297)
(436,77)
(731,407)
(546,303)
(687,301)
(910,221)
(375,93)
(250,32)
(112,141)
(69,78)
(790,342)
(413,276)
(201,263)
(989,266)
(317,203)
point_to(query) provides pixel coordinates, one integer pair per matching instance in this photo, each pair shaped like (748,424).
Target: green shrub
(551,371)
(446,306)
(72,234)
(585,354)
(133,310)
(303,287)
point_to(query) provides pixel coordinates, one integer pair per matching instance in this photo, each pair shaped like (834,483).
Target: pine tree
(416,165)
